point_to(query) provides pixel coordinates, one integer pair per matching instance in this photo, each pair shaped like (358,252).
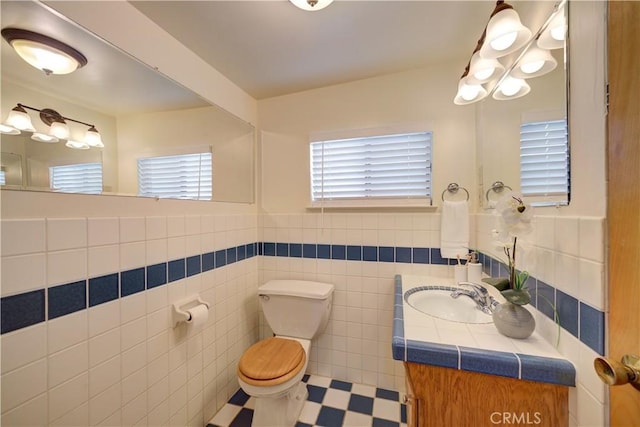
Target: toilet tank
(296,308)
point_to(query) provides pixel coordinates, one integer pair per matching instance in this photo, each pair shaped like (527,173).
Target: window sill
(422,205)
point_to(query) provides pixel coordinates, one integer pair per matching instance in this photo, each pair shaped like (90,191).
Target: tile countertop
(420,338)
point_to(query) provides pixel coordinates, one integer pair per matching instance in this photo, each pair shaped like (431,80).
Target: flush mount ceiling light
(505,33)
(43,52)
(19,120)
(311,5)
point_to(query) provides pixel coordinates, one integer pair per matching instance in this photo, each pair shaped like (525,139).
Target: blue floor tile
(387,394)
(330,417)
(361,404)
(341,385)
(239,398)
(379,422)
(243,419)
(316,394)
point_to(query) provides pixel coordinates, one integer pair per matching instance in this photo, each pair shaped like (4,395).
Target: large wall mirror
(150,125)
(499,124)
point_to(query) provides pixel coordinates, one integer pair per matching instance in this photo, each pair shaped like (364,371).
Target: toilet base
(282,410)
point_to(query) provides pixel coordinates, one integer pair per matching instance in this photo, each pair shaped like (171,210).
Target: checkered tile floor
(331,403)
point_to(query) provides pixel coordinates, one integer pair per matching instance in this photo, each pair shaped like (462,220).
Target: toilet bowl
(271,370)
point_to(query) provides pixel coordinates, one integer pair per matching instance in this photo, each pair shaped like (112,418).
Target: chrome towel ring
(453,189)
(497,187)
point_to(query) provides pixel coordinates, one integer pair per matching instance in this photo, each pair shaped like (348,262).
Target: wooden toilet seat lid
(271,361)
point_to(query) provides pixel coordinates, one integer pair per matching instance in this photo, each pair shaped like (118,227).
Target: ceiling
(268,47)
(271,48)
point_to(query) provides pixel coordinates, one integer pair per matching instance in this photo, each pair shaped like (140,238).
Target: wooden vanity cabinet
(445,397)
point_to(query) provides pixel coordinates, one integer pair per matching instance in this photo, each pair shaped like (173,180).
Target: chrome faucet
(484,302)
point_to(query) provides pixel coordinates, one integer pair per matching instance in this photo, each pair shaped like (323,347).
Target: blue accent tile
(295,250)
(156,275)
(241,252)
(398,348)
(299,424)
(421,255)
(338,252)
(503,271)
(221,258)
(251,250)
(132,281)
(243,419)
(324,251)
(354,253)
(340,385)
(546,299)
(67,299)
(176,270)
(567,307)
(208,261)
(260,248)
(443,355)
(403,255)
(282,249)
(532,285)
(309,250)
(489,362)
(305,378)
(436,257)
(387,394)
(370,253)
(231,255)
(403,413)
(269,249)
(316,394)
(194,265)
(20,311)
(592,328)
(548,370)
(103,289)
(361,404)
(330,417)
(381,422)
(239,398)
(495,268)
(385,254)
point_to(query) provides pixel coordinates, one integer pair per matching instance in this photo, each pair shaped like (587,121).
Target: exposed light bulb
(483,74)
(469,92)
(510,86)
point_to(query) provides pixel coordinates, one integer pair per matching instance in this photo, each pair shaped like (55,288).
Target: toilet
(272,369)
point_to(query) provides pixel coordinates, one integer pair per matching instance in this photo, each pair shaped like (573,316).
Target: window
(79,178)
(544,162)
(388,166)
(3,177)
(185,176)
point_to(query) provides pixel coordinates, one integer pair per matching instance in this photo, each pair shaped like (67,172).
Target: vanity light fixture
(511,88)
(469,92)
(43,52)
(311,5)
(534,63)
(504,33)
(19,120)
(483,70)
(554,34)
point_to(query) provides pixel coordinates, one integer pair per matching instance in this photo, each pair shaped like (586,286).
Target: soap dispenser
(474,269)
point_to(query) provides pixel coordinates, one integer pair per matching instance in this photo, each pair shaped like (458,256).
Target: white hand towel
(454,229)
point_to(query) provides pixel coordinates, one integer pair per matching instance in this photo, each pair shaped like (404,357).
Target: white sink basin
(437,301)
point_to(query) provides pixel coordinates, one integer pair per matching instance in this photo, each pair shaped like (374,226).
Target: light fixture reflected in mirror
(19,120)
(483,70)
(553,36)
(505,33)
(511,88)
(311,5)
(43,52)
(534,63)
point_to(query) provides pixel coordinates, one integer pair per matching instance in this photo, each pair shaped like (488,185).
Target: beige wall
(417,99)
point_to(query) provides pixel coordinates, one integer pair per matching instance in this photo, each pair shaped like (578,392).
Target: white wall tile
(23,346)
(66,233)
(175,226)
(592,284)
(104,317)
(68,363)
(67,330)
(134,384)
(104,347)
(156,251)
(66,266)
(103,260)
(133,333)
(134,359)
(104,404)
(25,383)
(135,411)
(133,307)
(31,413)
(592,238)
(103,231)
(176,248)
(192,225)
(192,245)
(132,255)
(23,236)
(132,229)
(567,232)
(22,273)
(104,376)
(591,412)
(566,274)
(156,227)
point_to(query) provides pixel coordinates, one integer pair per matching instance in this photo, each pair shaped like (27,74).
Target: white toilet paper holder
(180,309)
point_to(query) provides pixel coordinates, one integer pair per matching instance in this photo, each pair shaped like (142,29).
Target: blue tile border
(579,319)
(67,299)
(22,310)
(103,289)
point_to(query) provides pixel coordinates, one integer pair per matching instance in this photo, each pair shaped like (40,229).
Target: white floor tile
(363,390)
(319,381)
(336,398)
(354,419)
(310,412)
(225,416)
(387,409)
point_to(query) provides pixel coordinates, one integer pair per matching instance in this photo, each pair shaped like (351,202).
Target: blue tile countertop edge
(505,364)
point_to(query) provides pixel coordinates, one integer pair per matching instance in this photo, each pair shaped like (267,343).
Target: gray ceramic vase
(514,321)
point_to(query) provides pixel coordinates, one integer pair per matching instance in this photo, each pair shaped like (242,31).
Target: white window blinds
(544,161)
(79,178)
(389,166)
(187,176)
(3,178)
